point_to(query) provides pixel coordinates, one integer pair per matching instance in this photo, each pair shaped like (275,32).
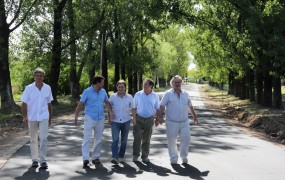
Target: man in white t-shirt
(36,111)
(178,104)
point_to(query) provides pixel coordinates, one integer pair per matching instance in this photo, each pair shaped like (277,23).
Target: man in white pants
(93,99)
(36,111)
(178,104)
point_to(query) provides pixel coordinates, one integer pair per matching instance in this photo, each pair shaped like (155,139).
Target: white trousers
(173,131)
(38,130)
(90,126)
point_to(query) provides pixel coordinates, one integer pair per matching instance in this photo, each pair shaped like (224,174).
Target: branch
(16,13)
(85,31)
(24,17)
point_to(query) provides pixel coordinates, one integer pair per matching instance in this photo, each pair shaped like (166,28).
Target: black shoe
(35,164)
(44,165)
(85,163)
(96,161)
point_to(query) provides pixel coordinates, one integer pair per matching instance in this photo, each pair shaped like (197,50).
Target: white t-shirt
(177,106)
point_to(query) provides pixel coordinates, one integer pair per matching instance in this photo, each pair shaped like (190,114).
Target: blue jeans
(116,129)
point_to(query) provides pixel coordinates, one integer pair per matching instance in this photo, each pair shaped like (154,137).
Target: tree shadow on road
(188,170)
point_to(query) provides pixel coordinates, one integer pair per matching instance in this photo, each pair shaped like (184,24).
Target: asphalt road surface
(218,151)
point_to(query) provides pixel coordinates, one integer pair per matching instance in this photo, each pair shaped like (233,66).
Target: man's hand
(76,121)
(49,122)
(25,120)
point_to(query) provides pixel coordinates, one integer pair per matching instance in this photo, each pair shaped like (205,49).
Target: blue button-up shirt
(94,103)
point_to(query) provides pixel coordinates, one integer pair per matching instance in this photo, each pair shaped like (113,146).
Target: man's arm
(194,115)
(134,114)
(109,107)
(50,111)
(24,112)
(77,110)
(161,111)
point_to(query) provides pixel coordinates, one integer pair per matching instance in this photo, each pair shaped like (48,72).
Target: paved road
(218,151)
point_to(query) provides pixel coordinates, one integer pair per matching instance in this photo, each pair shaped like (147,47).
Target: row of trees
(236,42)
(73,40)
(241,43)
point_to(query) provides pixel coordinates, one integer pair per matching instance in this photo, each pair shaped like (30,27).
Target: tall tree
(73,79)
(56,46)
(21,11)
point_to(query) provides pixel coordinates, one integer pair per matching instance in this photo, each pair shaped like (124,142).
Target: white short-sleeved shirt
(37,101)
(146,105)
(176,107)
(121,107)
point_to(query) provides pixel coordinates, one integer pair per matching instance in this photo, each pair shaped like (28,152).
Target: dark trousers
(142,132)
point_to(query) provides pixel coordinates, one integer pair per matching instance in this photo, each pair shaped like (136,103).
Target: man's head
(98,81)
(176,82)
(121,86)
(148,83)
(39,74)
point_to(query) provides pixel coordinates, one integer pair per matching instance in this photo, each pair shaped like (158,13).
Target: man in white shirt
(36,111)
(178,104)
(122,103)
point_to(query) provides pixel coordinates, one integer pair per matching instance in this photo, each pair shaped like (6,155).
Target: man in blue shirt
(93,98)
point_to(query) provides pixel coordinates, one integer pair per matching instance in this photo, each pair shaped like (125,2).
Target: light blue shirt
(177,107)
(146,105)
(94,103)
(121,107)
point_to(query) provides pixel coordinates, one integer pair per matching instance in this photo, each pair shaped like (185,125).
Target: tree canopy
(236,42)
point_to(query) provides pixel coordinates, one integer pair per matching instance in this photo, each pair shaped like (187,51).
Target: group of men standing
(144,110)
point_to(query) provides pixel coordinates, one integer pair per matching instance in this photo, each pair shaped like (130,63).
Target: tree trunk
(277,94)
(259,88)
(231,83)
(140,81)
(73,80)
(91,58)
(104,63)
(7,101)
(123,70)
(135,82)
(130,84)
(242,94)
(56,48)
(267,98)
(117,51)
(250,85)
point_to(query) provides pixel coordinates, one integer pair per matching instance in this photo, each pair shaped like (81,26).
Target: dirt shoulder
(267,123)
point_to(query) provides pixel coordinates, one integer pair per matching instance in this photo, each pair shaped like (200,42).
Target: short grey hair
(39,70)
(175,77)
